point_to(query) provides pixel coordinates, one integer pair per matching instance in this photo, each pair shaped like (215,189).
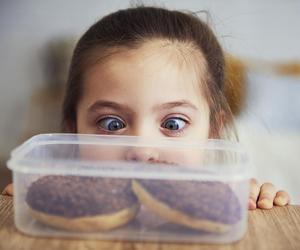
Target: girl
(152,72)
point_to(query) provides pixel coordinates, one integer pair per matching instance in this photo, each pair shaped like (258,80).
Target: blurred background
(261,39)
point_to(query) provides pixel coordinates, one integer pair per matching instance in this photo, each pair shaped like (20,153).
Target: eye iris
(115,125)
(172,125)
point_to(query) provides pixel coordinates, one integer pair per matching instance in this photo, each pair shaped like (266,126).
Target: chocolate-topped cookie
(82,203)
(206,205)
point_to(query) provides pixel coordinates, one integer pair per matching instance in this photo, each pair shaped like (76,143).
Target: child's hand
(8,190)
(265,196)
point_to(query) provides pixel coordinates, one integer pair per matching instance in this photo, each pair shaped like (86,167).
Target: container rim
(116,140)
(17,162)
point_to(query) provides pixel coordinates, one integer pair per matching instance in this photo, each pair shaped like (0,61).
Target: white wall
(258,29)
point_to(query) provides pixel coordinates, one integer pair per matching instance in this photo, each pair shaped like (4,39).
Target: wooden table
(278,228)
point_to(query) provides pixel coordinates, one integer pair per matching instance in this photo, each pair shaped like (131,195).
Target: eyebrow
(181,103)
(108,104)
(114,105)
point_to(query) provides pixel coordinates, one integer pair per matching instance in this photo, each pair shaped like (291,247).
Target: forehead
(158,68)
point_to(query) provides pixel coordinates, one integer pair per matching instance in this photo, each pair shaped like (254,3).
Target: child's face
(152,91)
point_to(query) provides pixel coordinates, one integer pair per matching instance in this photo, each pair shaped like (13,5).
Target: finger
(254,192)
(266,196)
(8,190)
(282,198)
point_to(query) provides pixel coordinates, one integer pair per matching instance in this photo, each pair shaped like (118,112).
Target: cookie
(209,206)
(81,203)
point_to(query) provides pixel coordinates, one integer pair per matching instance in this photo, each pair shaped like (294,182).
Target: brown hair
(129,28)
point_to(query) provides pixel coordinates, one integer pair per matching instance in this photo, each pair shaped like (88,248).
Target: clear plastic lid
(132,157)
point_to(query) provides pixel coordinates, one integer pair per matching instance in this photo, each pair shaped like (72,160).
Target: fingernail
(280,201)
(251,204)
(265,204)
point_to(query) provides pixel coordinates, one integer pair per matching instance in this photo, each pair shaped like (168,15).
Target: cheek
(199,129)
(101,153)
(184,157)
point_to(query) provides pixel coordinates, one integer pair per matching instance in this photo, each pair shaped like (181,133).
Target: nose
(142,154)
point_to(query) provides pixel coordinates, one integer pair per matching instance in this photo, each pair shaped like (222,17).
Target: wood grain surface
(278,228)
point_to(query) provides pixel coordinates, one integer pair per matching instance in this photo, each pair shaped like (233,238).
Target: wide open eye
(111,124)
(174,123)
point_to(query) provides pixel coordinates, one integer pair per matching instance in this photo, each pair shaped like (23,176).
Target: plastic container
(131,188)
